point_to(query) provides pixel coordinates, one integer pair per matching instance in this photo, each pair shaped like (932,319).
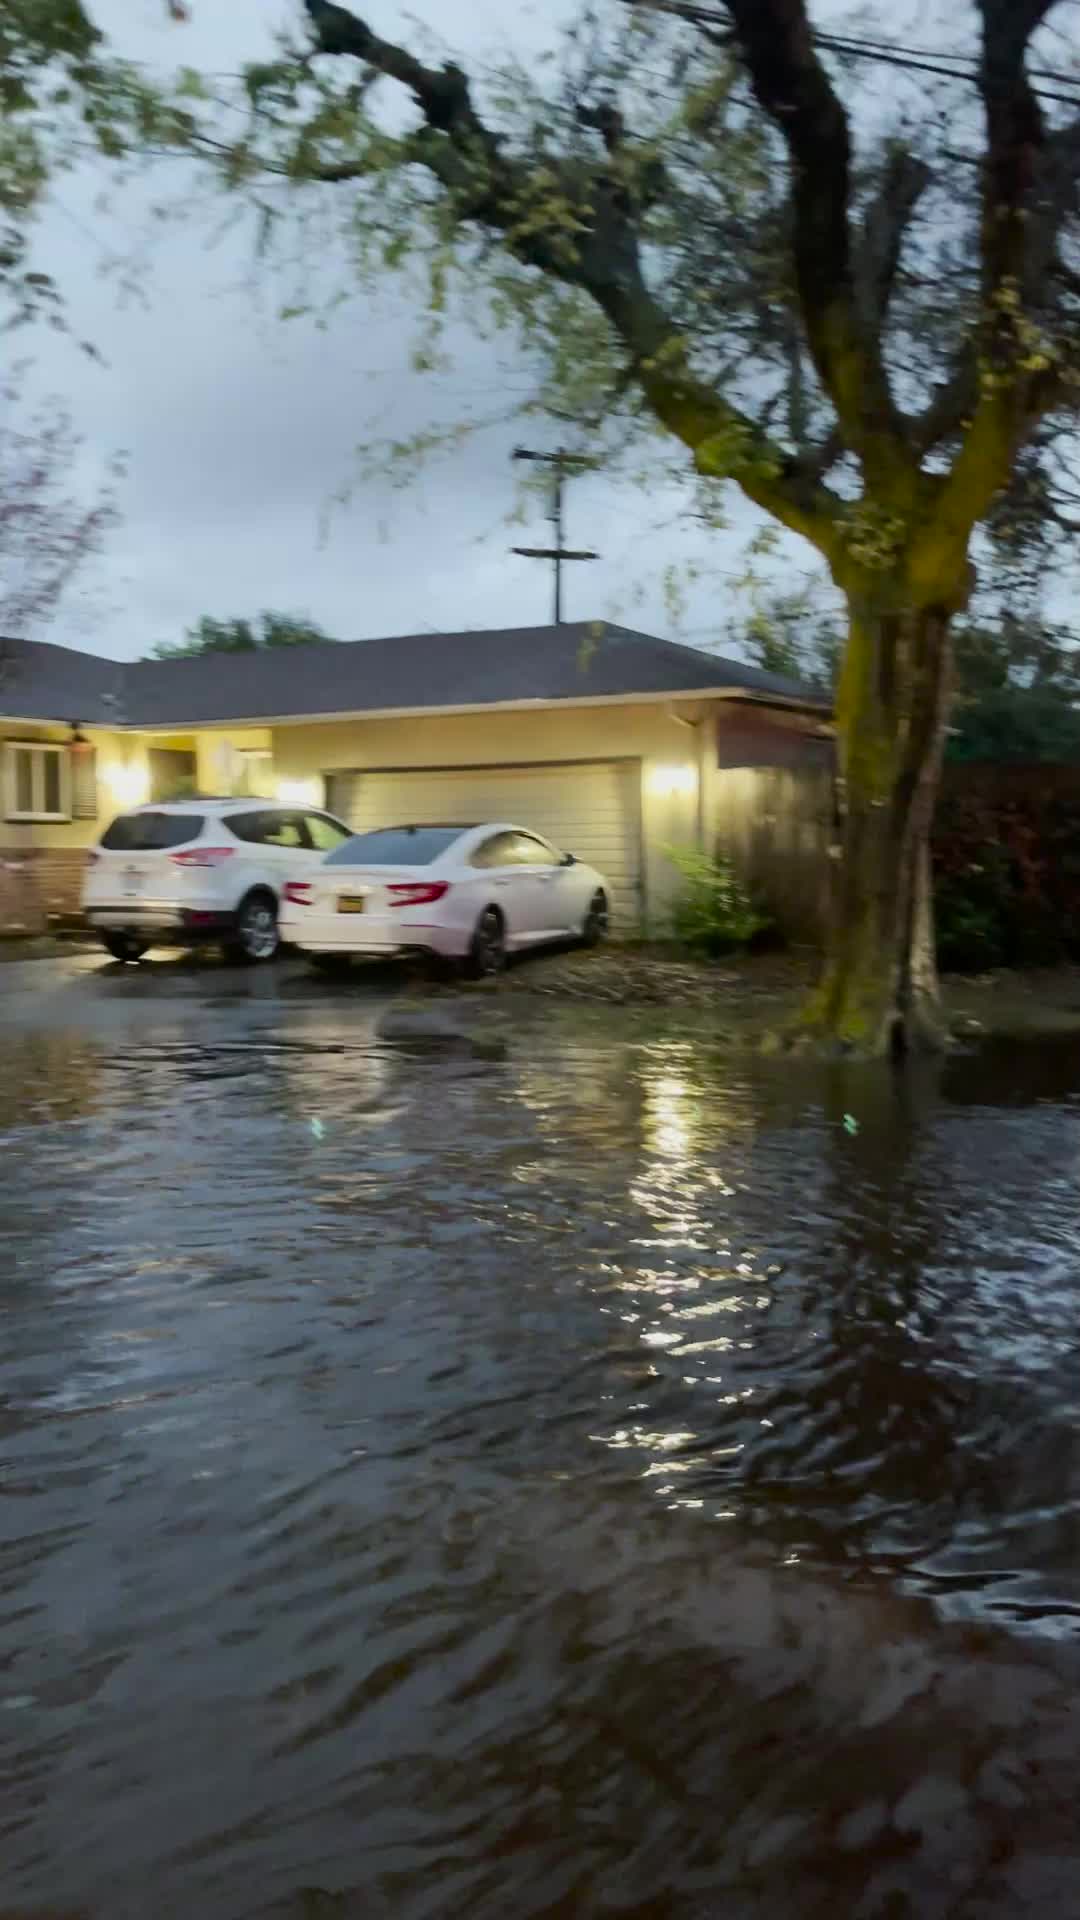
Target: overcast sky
(238,428)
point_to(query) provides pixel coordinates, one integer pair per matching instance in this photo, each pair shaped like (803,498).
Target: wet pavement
(605,1476)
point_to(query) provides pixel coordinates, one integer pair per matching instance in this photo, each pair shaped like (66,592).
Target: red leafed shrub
(1007,866)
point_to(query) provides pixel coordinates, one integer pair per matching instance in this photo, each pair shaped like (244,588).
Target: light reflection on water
(588,1481)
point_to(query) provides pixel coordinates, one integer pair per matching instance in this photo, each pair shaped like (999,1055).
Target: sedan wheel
(257,935)
(487,956)
(597,921)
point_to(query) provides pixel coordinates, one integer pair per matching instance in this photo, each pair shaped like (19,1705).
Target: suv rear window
(395,847)
(151,832)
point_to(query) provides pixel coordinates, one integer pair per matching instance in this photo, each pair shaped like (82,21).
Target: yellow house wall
(650,734)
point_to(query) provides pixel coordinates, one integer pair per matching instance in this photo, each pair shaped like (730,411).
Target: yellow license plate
(351,903)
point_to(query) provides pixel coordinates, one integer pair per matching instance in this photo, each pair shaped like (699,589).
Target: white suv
(202,870)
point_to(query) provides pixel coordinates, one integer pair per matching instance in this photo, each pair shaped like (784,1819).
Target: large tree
(870,336)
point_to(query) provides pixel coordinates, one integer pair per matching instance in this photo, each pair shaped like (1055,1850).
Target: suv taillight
(202,857)
(298,891)
(416,893)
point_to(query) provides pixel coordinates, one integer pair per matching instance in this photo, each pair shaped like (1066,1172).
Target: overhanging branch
(577,224)
(1009,395)
(793,88)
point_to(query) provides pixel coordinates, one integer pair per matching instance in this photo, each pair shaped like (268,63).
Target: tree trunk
(879,990)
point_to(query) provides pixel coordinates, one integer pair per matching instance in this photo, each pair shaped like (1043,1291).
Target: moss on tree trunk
(879,990)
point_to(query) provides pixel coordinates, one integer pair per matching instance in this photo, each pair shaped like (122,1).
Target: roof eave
(656,697)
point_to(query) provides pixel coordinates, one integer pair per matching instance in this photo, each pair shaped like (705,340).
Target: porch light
(128,785)
(299,793)
(673,780)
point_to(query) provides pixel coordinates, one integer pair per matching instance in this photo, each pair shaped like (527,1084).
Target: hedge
(1007,866)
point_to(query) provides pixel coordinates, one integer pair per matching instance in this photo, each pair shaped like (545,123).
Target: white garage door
(592,809)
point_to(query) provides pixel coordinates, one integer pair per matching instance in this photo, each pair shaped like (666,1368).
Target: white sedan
(470,894)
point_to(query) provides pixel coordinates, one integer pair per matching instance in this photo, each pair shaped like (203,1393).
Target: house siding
(772,812)
(652,736)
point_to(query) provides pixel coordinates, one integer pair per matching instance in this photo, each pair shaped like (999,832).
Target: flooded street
(604,1477)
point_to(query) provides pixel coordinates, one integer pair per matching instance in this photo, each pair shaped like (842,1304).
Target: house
(615,744)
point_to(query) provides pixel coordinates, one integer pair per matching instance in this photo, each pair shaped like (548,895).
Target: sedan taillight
(298,891)
(416,893)
(202,857)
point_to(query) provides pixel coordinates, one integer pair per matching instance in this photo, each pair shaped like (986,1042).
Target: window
(151,832)
(325,834)
(396,847)
(245,826)
(283,830)
(37,781)
(527,851)
(496,852)
(268,829)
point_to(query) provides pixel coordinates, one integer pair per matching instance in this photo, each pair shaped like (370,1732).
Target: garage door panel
(590,809)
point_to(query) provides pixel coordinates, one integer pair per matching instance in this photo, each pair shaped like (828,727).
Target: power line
(914,62)
(913,59)
(938,53)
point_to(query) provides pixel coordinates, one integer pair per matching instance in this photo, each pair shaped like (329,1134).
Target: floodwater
(601,1480)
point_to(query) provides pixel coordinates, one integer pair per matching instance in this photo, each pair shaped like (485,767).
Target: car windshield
(395,847)
(150,832)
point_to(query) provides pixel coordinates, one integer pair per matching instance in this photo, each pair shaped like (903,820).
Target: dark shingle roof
(41,682)
(414,671)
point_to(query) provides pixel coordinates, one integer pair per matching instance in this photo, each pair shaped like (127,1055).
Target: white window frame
(38,749)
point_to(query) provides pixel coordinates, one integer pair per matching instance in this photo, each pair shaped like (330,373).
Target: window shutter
(84,803)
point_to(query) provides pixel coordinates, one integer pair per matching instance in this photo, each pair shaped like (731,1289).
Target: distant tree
(1017,694)
(47,534)
(242,636)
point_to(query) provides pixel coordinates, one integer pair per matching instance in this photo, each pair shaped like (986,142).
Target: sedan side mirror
(568,860)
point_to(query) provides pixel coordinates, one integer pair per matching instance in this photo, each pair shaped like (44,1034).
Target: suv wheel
(256,938)
(124,946)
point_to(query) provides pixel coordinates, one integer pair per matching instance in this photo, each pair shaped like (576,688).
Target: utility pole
(561,462)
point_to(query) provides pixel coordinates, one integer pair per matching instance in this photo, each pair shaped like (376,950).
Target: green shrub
(971,920)
(713,913)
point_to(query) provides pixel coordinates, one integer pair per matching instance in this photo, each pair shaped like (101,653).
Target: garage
(590,808)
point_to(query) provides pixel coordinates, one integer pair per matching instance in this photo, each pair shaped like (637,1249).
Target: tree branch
(442,93)
(1015,133)
(885,226)
(952,405)
(575,222)
(1009,395)
(793,88)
